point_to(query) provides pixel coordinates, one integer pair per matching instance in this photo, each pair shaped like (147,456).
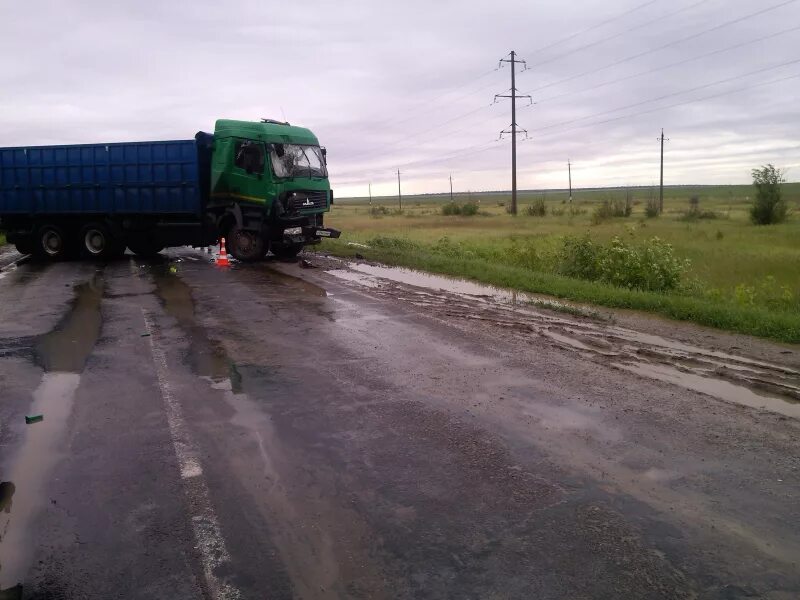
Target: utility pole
(451,188)
(569,170)
(399,193)
(513,95)
(661,187)
(370,193)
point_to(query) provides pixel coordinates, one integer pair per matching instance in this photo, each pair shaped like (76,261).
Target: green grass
(742,277)
(2,239)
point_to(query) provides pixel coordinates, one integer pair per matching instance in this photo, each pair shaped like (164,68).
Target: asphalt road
(269,431)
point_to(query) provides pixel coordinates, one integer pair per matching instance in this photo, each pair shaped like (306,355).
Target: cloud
(389,85)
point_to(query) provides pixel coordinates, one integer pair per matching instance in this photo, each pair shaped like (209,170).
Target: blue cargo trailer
(263,186)
(147,195)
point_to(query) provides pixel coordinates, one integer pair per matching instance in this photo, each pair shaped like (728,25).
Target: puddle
(717,388)
(726,376)
(67,347)
(40,453)
(62,353)
(206,358)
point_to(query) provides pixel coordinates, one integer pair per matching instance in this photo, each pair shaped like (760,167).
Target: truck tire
(96,241)
(246,246)
(286,251)
(51,242)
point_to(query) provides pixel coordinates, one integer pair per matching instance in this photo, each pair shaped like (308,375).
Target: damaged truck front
(269,188)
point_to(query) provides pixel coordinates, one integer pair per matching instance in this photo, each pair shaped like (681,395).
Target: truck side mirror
(324,155)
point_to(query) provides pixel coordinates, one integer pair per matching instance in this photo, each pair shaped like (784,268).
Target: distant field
(741,277)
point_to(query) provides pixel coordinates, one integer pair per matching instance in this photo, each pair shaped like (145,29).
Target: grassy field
(739,276)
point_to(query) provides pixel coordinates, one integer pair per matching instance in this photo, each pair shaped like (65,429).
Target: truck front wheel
(51,242)
(246,246)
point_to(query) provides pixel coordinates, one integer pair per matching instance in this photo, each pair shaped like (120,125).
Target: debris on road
(305,264)
(29,419)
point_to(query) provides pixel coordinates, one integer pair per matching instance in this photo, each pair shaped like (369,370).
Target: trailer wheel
(51,243)
(97,241)
(246,246)
(286,251)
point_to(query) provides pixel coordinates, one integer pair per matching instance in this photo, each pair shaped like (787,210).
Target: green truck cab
(269,188)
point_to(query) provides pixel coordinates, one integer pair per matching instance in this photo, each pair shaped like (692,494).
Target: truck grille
(300,201)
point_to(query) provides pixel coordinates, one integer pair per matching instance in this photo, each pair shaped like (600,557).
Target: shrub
(580,257)
(451,208)
(558,211)
(537,208)
(616,207)
(695,212)
(470,209)
(650,266)
(377,211)
(651,208)
(574,211)
(467,210)
(768,205)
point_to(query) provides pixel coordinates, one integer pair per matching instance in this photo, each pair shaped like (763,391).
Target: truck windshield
(297,161)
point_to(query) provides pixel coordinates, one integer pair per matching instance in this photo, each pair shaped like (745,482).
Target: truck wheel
(145,249)
(246,246)
(286,251)
(51,243)
(97,242)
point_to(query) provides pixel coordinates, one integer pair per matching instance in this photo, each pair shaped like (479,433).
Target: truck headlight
(293,231)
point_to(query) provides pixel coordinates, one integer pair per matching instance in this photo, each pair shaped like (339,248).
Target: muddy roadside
(643,343)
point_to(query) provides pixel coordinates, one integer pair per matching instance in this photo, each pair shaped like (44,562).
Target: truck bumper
(309,234)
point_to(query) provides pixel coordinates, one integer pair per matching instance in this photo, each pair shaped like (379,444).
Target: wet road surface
(267,431)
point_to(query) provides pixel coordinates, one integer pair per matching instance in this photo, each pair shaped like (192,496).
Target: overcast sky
(410,84)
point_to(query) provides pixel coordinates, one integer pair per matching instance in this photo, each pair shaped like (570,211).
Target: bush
(695,212)
(650,266)
(470,209)
(467,210)
(651,208)
(537,208)
(377,211)
(768,205)
(616,207)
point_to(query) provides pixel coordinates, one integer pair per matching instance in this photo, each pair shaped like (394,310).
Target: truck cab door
(249,169)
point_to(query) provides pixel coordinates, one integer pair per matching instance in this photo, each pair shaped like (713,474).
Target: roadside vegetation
(701,260)
(2,239)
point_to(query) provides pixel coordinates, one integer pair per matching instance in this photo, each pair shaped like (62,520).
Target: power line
(620,34)
(686,91)
(593,27)
(656,109)
(667,45)
(422,132)
(668,66)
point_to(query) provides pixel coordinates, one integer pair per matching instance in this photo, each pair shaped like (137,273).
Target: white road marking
(207,531)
